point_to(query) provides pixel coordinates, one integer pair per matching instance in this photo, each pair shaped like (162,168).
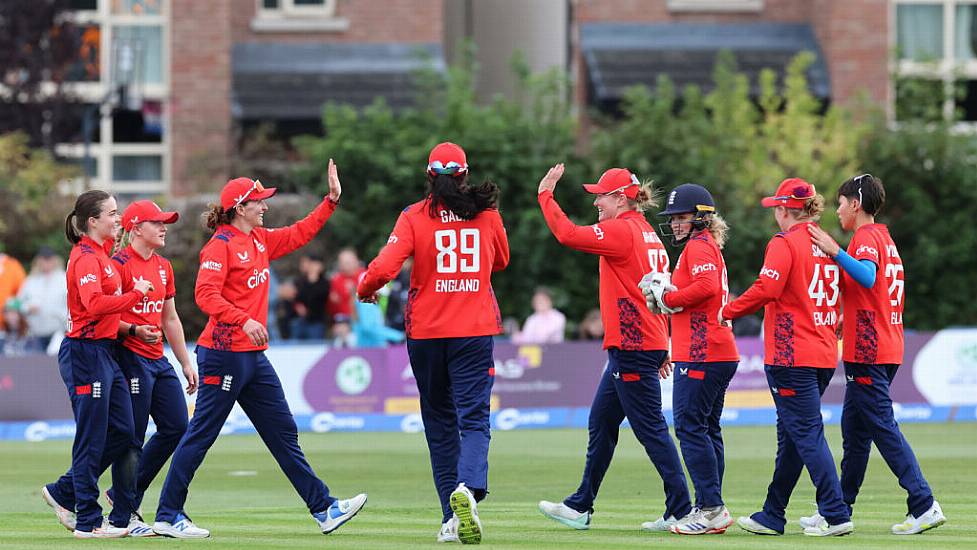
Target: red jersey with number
(628,248)
(149,309)
(872,329)
(800,288)
(232,282)
(95,297)
(700,275)
(450,292)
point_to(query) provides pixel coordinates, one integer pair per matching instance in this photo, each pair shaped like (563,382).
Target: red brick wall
(369,21)
(853,35)
(200,94)
(589,11)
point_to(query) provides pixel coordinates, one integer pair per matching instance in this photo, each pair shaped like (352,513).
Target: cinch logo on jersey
(148,306)
(259,278)
(703,268)
(866,249)
(90,278)
(772,273)
(211,265)
(392,239)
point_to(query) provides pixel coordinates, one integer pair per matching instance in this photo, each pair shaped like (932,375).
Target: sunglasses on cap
(256,186)
(798,193)
(634,183)
(857,180)
(450,168)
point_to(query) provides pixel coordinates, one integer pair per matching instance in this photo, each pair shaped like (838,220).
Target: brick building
(208,70)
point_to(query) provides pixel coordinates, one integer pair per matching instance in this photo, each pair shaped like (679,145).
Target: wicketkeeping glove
(654,286)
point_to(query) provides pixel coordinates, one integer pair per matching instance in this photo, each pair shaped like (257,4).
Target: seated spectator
(11,278)
(43,297)
(592,327)
(368,328)
(545,325)
(312,293)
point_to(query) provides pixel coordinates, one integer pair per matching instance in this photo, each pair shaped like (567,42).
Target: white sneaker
(463,505)
(702,522)
(111,503)
(930,519)
(565,515)
(751,525)
(449,531)
(660,524)
(106,531)
(810,521)
(65,516)
(339,512)
(139,528)
(823,529)
(181,528)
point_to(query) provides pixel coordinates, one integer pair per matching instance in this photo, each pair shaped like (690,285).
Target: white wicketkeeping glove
(654,286)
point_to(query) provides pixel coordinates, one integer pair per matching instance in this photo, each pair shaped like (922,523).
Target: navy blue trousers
(155,390)
(249,379)
(454,378)
(800,443)
(868,417)
(104,435)
(697,405)
(630,388)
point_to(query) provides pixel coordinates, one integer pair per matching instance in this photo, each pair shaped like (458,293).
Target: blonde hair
(646,198)
(718,228)
(813,208)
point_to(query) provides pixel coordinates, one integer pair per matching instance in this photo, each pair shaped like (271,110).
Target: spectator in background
(11,278)
(44,297)
(285,308)
(368,328)
(342,292)
(312,292)
(397,299)
(14,339)
(274,331)
(545,325)
(591,327)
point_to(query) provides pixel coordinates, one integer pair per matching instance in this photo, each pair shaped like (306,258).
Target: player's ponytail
(719,229)
(87,205)
(454,193)
(813,208)
(216,216)
(646,198)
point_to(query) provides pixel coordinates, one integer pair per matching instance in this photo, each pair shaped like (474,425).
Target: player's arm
(769,284)
(501,245)
(392,256)
(283,240)
(210,283)
(89,271)
(609,238)
(705,283)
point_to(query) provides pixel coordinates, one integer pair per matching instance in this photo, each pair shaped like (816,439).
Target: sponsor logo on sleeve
(866,249)
(703,268)
(771,273)
(599,232)
(89,278)
(211,265)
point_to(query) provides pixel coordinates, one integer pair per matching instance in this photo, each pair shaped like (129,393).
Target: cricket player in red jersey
(703,350)
(873,300)
(799,287)
(457,240)
(99,394)
(636,341)
(232,288)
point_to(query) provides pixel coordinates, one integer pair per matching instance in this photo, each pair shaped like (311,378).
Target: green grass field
(246,502)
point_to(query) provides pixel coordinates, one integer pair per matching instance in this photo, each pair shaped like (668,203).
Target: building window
(715,5)
(297,16)
(87,66)
(137,167)
(137,7)
(936,49)
(142,48)
(317,8)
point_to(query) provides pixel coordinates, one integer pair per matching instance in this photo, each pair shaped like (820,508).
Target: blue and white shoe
(713,521)
(660,524)
(462,503)
(339,512)
(181,528)
(139,528)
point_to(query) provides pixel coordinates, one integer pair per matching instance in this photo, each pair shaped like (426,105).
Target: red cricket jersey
(872,329)
(800,287)
(149,309)
(95,297)
(700,275)
(628,248)
(232,283)
(450,292)
(341,290)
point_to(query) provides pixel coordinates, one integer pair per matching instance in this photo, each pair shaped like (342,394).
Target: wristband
(132,330)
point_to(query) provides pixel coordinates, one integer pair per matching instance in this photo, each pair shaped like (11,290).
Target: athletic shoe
(106,531)
(139,528)
(111,503)
(339,512)
(181,528)
(930,519)
(810,521)
(704,522)
(823,529)
(65,516)
(449,531)
(565,515)
(755,527)
(660,524)
(463,505)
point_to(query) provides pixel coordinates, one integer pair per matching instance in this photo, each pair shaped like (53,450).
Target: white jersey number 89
(450,254)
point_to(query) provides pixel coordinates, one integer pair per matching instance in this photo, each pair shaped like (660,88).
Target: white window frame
(714,6)
(289,17)
(946,69)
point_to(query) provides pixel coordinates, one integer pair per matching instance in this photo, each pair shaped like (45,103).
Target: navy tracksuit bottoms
(868,417)
(630,387)
(454,378)
(800,443)
(247,378)
(697,405)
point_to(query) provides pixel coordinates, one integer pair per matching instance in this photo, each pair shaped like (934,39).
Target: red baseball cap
(447,158)
(240,190)
(791,193)
(146,211)
(615,180)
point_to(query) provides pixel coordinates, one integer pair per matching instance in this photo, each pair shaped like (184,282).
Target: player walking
(232,288)
(96,386)
(799,287)
(873,302)
(457,240)
(636,341)
(703,350)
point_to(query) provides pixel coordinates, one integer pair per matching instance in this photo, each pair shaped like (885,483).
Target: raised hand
(335,188)
(548,183)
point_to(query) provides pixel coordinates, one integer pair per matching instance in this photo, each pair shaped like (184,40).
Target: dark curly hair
(463,199)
